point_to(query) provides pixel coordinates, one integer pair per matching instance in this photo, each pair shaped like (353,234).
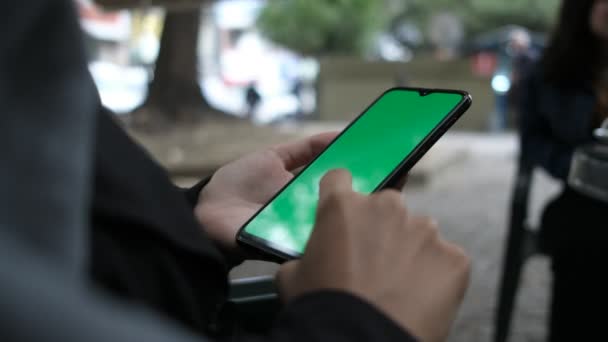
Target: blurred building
(238,58)
(111,45)
(123,46)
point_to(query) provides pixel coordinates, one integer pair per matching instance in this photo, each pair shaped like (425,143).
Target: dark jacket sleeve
(335,316)
(144,270)
(156,273)
(538,145)
(193,192)
(40,302)
(153,269)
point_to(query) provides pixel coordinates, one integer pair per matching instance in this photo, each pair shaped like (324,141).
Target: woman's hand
(239,189)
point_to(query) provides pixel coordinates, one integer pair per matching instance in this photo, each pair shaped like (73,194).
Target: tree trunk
(174,94)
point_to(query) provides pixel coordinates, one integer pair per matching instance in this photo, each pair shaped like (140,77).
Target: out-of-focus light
(501,83)
(237,14)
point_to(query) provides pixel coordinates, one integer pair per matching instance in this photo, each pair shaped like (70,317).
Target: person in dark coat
(97,244)
(563,101)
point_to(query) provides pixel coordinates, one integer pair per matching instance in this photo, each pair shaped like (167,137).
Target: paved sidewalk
(470,200)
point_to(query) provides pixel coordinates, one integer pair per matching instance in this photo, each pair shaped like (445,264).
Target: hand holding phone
(370,246)
(378,148)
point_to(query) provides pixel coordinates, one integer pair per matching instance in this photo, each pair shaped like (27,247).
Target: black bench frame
(521,244)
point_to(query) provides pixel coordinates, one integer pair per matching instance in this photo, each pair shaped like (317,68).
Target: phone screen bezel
(271,250)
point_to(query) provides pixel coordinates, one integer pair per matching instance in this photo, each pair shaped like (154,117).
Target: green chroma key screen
(371,149)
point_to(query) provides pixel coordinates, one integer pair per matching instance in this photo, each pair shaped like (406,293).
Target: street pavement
(470,200)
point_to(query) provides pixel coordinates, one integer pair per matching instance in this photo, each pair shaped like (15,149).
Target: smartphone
(378,148)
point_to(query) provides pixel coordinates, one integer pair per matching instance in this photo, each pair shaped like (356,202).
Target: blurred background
(200,83)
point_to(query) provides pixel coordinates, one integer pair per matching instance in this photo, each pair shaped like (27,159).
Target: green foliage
(483,15)
(533,14)
(318,27)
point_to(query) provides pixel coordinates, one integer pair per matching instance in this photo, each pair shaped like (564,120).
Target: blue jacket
(554,121)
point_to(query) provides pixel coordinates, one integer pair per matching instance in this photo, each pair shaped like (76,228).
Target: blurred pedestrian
(564,99)
(515,60)
(523,58)
(253,99)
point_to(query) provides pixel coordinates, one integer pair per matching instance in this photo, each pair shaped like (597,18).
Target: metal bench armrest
(256,303)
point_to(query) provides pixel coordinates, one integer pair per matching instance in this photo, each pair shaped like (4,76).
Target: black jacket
(554,121)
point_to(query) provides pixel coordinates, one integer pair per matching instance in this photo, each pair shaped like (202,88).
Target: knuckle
(461,262)
(395,199)
(462,257)
(428,227)
(391,200)
(394,196)
(428,222)
(432,233)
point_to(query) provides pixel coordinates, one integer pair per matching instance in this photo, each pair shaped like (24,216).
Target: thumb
(285,280)
(299,153)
